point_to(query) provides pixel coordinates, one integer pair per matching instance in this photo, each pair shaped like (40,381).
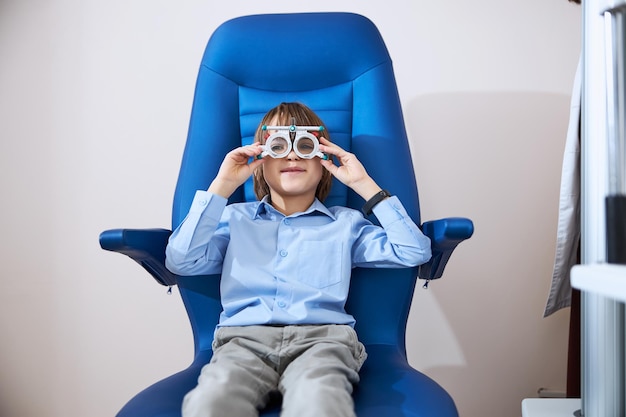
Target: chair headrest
(306,51)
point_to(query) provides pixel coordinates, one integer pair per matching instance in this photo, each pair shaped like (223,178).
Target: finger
(243,153)
(331,148)
(252,149)
(327,144)
(255,163)
(329,165)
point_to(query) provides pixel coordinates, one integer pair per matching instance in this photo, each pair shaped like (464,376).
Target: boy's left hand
(350,170)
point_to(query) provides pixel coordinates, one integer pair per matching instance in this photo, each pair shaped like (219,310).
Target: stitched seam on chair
(373,67)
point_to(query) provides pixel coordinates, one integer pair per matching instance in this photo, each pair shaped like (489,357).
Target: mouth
(290,170)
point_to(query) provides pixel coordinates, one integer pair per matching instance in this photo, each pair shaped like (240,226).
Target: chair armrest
(144,246)
(445,235)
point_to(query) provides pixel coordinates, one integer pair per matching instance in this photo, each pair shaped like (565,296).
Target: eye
(278,145)
(306,145)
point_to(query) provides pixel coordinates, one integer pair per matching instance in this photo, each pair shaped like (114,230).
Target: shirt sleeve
(198,244)
(398,243)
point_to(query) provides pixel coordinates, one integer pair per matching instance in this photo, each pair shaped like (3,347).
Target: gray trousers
(313,367)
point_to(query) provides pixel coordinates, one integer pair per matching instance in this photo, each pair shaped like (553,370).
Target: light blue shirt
(278,269)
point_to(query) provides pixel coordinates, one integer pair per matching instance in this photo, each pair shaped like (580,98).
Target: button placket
(283,264)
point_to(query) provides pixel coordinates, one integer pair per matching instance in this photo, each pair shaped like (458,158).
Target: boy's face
(292,176)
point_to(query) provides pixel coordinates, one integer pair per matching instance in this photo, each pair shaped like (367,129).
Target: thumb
(329,165)
(256,163)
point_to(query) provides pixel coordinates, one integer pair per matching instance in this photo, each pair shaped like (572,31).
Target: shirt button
(283,253)
(281,304)
(203,202)
(287,222)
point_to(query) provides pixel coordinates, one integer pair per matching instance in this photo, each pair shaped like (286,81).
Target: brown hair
(282,115)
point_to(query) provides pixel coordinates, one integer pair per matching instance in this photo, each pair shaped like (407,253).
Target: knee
(217,400)
(201,400)
(321,397)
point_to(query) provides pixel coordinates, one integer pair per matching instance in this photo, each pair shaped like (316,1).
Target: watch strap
(377,198)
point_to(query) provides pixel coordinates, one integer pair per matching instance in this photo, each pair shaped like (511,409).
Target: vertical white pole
(602,318)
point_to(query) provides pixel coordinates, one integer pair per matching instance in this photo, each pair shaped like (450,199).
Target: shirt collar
(264,210)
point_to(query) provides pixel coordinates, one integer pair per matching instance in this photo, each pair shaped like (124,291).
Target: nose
(292,156)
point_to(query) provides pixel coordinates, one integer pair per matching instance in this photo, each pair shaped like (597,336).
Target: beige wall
(94,105)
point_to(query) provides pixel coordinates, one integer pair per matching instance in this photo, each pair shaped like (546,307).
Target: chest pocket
(320,263)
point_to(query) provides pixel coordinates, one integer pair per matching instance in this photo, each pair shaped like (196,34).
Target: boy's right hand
(236,169)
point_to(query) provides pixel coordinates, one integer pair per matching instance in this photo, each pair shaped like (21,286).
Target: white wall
(94,105)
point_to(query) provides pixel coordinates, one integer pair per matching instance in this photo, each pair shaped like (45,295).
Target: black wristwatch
(377,198)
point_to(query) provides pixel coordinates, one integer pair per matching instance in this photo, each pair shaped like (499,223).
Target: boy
(285,264)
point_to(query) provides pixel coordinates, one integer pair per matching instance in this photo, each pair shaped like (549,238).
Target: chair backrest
(337,64)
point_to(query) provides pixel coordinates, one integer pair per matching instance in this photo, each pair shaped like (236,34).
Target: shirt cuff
(389,210)
(208,204)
